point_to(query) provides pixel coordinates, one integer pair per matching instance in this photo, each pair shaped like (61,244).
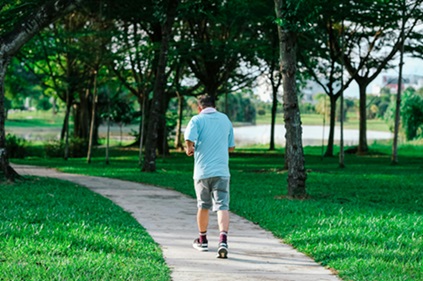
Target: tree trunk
(294,149)
(275,81)
(7,171)
(92,125)
(69,99)
(343,115)
(162,141)
(83,115)
(226,104)
(331,137)
(160,82)
(66,131)
(178,138)
(108,128)
(65,123)
(162,144)
(142,128)
(362,138)
(341,125)
(394,157)
(273,118)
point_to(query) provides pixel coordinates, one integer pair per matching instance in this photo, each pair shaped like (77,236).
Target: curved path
(169,217)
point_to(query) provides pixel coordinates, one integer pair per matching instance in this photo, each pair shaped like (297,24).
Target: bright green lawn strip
(317,120)
(45,119)
(54,230)
(364,220)
(28,119)
(31,123)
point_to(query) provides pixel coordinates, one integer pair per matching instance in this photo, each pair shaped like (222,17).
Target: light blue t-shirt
(212,134)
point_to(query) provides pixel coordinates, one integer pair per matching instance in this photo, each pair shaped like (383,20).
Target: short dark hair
(206,101)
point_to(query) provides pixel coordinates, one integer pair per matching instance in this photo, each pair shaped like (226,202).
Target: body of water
(244,136)
(312,135)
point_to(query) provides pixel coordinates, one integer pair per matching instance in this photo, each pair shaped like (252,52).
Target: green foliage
(298,15)
(56,148)
(43,103)
(21,84)
(15,146)
(241,107)
(322,104)
(412,114)
(389,116)
(378,104)
(54,230)
(171,121)
(13,10)
(219,46)
(307,107)
(261,112)
(121,110)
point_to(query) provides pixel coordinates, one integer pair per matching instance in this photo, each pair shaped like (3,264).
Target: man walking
(209,137)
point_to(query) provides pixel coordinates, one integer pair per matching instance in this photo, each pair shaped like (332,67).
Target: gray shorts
(212,192)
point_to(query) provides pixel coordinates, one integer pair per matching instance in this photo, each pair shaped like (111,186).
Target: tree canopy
(151,52)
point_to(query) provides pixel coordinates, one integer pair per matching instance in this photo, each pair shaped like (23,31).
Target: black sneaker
(222,251)
(202,247)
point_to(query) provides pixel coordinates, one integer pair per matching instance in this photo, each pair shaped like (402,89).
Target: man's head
(205,101)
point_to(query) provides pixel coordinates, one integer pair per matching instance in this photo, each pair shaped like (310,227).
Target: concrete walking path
(169,217)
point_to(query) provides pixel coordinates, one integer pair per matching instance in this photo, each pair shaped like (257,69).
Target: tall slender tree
(267,46)
(322,62)
(394,157)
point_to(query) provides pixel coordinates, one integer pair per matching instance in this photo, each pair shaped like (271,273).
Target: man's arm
(189,149)
(231,149)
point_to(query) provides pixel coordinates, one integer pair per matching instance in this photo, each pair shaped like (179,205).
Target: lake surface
(244,136)
(312,135)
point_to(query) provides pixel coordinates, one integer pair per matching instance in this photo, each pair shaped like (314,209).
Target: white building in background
(391,82)
(384,81)
(413,77)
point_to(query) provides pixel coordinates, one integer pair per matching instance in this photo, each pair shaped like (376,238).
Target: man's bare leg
(202,220)
(223,221)
(201,243)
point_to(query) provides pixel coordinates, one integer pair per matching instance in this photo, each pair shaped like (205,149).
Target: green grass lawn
(364,221)
(31,119)
(54,230)
(317,120)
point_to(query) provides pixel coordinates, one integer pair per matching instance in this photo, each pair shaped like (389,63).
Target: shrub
(56,148)
(412,115)
(261,112)
(15,146)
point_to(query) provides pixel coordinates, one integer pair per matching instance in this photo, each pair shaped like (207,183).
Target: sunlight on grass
(364,221)
(56,230)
